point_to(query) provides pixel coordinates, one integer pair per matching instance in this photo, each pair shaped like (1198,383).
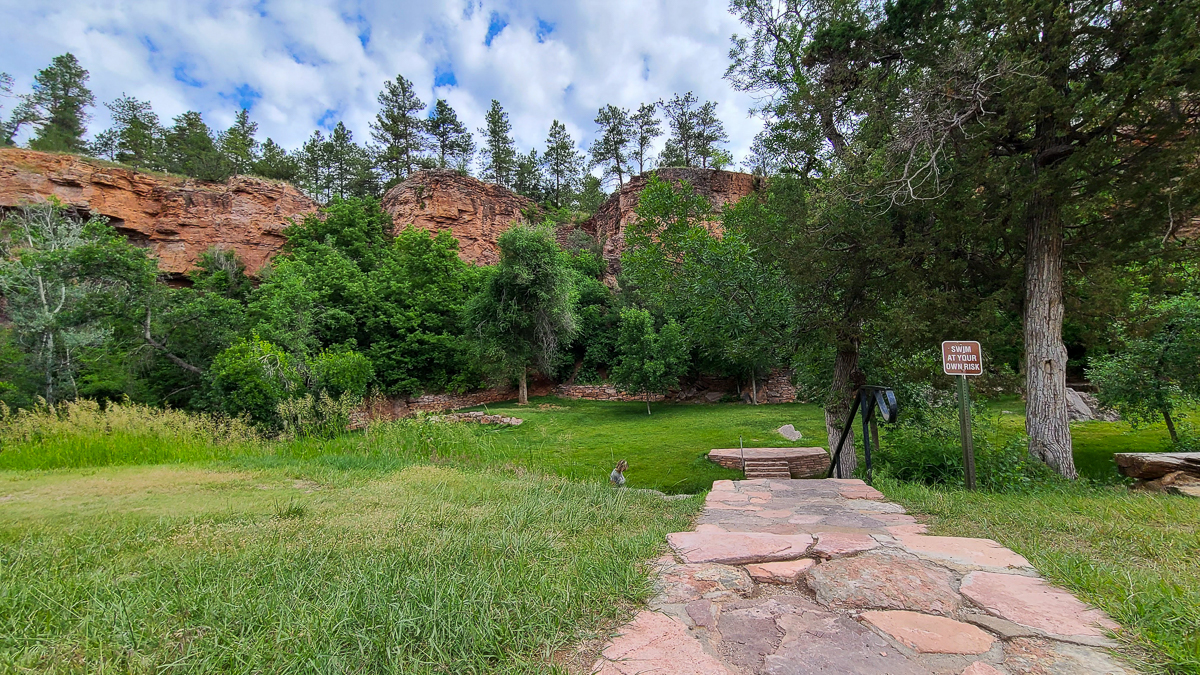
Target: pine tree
(646,128)
(709,134)
(344,161)
(527,179)
(57,106)
(611,149)
(682,117)
(499,153)
(135,137)
(452,143)
(238,145)
(312,167)
(399,130)
(191,150)
(563,164)
(6,85)
(276,163)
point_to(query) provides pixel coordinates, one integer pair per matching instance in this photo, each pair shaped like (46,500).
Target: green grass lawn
(138,541)
(427,569)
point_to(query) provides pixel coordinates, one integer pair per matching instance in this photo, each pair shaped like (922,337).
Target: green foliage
(135,138)
(610,150)
(341,373)
(450,140)
(319,416)
(563,165)
(56,107)
(251,378)
(925,447)
(527,178)
(276,163)
(63,279)
(526,307)
(398,129)
(191,150)
(646,128)
(336,167)
(696,132)
(649,361)
(1158,365)
(237,144)
(499,153)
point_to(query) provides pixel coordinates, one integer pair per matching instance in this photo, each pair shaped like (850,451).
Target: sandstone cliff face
(619,211)
(476,213)
(176,219)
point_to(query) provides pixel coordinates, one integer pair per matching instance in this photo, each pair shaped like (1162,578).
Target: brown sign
(962,358)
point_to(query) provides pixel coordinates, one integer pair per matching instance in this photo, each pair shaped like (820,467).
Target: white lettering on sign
(962,358)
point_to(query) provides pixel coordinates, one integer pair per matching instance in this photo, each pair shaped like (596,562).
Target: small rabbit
(617,477)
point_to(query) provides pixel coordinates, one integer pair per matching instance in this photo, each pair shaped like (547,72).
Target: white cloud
(300,63)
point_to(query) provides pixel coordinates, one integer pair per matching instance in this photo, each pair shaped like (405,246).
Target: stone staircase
(767,468)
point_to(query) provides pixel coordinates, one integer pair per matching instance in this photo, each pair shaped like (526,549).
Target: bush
(339,373)
(925,447)
(251,378)
(319,416)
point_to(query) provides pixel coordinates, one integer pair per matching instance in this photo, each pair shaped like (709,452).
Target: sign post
(962,359)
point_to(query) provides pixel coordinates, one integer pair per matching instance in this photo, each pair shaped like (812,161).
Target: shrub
(319,416)
(925,447)
(251,378)
(341,372)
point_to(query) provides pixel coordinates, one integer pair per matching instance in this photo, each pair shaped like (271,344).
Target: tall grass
(83,433)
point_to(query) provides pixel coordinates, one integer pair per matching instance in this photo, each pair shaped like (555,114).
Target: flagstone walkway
(790,577)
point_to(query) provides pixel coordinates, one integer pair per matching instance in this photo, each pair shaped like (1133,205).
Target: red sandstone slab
(787,572)
(877,580)
(774,513)
(912,528)
(738,548)
(981,668)
(859,493)
(656,643)
(930,634)
(728,497)
(841,544)
(722,485)
(1032,602)
(963,551)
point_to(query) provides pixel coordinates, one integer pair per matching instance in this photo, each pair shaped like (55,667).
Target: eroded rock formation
(176,218)
(619,211)
(475,212)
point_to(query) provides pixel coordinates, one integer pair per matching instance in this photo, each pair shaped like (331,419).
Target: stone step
(767,468)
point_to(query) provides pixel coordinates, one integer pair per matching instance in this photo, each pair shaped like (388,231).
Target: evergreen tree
(562,163)
(682,117)
(527,179)
(191,150)
(611,149)
(135,137)
(347,167)
(238,145)
(646,128)
(312,168)
(450,139)
(56,107)
(399,130)
(499,153)
(710,133)
(276,163)
(6,85)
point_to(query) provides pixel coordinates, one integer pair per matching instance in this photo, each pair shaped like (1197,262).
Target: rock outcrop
(178,219)
(475,212)
(619,211)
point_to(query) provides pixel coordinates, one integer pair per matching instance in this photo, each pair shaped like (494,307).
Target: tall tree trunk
(1170,426)
(845,374)
(647,403)
(523,388)
(1045,354)
(754,389)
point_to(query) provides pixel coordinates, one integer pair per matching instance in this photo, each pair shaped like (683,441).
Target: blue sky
(301,64)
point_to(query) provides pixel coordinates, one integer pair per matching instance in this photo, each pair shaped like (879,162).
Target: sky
(300,65)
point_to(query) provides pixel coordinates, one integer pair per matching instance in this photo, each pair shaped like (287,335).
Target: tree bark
(845,374)
(1045,354)
(647,403)
(522,389)
(1170,426)
(1152,465)
(754,389)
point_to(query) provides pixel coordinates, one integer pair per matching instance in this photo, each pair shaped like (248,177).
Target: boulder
(789,432)
(1083,407)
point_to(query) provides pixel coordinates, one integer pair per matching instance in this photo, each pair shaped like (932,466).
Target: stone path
(791,577)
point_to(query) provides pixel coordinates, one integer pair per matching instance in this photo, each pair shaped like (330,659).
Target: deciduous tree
(649,361)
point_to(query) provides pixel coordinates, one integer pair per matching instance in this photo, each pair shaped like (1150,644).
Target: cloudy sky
(299,65)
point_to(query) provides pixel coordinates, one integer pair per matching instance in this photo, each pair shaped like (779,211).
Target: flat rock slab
(1038,656)
(685,583)
(841,544)
(656,643)
(1030,601)
(738,548)
(930,634)
(787,572)
(823,643)
(981,668)
(882,581)
(963,551)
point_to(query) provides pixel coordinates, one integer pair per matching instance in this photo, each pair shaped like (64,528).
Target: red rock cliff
(476,213)
(176,218)
(619,211)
